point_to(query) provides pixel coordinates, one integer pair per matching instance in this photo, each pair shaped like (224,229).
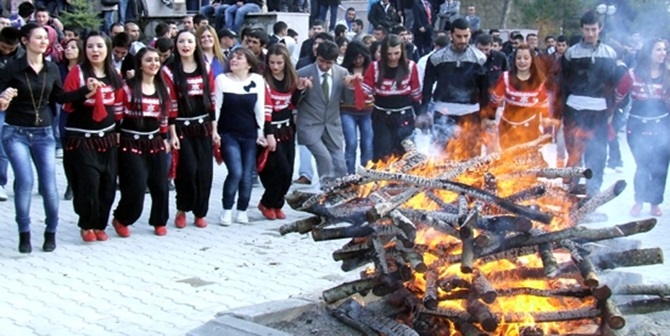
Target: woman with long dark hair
(282,91)
(240,102)
(356,121)
(28,84)
(393,81)
(526,101)
(648,123)
(73,51)
(194,130)
(90,146)
(143,145)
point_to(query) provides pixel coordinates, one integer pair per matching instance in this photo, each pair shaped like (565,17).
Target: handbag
(261,158)
(109,3)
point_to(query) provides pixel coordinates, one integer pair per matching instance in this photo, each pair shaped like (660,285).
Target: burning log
(504,224)
(301,226)
(380,254)
(487,239)
(635,257)
(350,231)
(468,253)
(611,314)
(552,173)
(596,201)
(336,185)
(549,263)
(443,205)
(383,209)
(450,283)
(553,316)
(405,225)
(458,188)
(414,259)
(434,222)
(444,312)
(482,314)
(430,293)
(468,329)
(601,293)
(351,250)
(379,323)
(483,288)
(411,159)
(580,233)
(347,289)
(660,290)
(527,194)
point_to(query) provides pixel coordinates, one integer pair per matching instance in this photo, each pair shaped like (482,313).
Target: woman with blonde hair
(211,50)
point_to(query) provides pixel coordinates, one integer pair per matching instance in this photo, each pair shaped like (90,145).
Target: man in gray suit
(318,121)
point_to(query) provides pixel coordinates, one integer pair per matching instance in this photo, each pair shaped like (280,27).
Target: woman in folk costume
(193,133)
(648,85)
(90,146)
(282,91)
(526,101)
(143,145)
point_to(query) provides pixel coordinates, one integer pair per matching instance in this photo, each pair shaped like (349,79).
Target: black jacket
(379,16)
(421,17)
(496,64)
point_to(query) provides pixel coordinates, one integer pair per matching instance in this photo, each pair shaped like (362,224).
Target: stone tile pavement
(148,285)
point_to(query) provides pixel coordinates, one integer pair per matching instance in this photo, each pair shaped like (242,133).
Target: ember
(489,246)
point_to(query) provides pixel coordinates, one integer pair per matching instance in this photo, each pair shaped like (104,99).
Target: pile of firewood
(415,218)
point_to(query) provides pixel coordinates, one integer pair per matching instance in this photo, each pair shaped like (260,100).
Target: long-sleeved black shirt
(21,111)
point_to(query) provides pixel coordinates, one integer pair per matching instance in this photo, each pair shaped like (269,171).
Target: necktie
(226,53)
(428,12)
(325,87)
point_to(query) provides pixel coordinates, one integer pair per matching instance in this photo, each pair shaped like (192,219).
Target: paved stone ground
(148,285)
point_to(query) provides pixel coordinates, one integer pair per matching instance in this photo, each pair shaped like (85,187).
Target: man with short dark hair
(173,28)
(357,29)
(472,18)
(412,51)
(4,21)
(550,44)
(318,122)
(279,30)
(588,76)
(496,61)
(227,40)
(317,26)
(497,44)
(123,60)
(165,45)
(532,42)
(44,18)
(494,33)
(317,40)
(116,28)
(462,90)
(187,22)
(199,20)
(71,33)
(380,33)
(349,18)
(256,40)
(133,30)
(25,12)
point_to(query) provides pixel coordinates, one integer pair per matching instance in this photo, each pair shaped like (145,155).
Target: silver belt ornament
(525,123)
(649,119)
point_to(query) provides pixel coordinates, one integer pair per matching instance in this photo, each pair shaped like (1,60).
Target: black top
(21,111)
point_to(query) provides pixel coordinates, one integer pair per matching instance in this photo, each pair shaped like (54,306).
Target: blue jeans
(218,13)
(3,156)
(323,9)
(239,154)
(235,15)
(306,169)
(36,144)
(351,125)
(123,8)
(108,21)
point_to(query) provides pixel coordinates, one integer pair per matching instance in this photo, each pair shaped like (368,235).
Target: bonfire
(488,246)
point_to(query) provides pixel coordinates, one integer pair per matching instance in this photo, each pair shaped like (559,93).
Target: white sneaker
(242,217)
(226,217)
(3,194)
(59,153)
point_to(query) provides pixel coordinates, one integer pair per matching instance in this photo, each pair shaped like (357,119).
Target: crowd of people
(97,99)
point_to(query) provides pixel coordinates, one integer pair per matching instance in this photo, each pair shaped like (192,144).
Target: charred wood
(527,194)
(468,253)
(635,257)
(468,329)
(341,315)
(660,290)
(379,323)
(482,314)
(549,263)
(483,288)
(342,232)
(596,201)
(554,316)
(302,226)
(611,314)
(347,289)
(452,282)
(430,292)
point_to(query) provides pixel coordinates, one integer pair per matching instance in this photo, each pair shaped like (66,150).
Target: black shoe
(24,243)
(49,242)
(68,193)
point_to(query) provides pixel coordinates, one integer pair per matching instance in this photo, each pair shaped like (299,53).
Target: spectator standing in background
(279,32)
(382,14)
(406,11)
(10,50)
(349,18)
(317,26)
(324,7)
(187,23)
(449,11)
(473,19)
(423,25)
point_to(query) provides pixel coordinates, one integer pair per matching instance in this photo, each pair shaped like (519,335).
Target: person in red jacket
(526,101)
(393,81)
